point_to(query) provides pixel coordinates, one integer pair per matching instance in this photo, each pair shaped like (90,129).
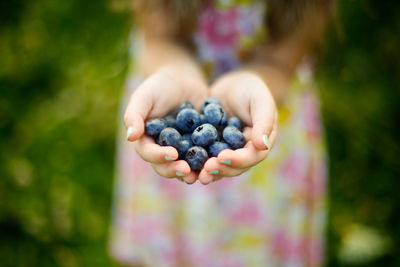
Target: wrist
(183,71)
(275,79)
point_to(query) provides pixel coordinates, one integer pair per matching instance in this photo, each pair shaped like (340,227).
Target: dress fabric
(273,215)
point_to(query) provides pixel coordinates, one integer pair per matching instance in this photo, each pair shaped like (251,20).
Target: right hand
(158,95)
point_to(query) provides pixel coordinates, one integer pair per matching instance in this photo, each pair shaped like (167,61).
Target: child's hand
(245,95)
(155,97)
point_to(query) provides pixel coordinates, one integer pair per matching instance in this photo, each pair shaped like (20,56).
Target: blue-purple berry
(203,119)
(169,137)
(215,148)
(215,114)
(196,156)
(183,147)
(184,105)
(204,135)
(187,136)
(187,120)
(171,121)
(233,137)
(155,126)
(235,122)
(210,100)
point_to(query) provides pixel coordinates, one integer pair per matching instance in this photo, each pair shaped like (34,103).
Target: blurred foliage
(359,78)
(61,70)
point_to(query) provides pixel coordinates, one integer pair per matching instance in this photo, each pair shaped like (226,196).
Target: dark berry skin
(196,156)
(183,147)
(210,100)
(216,147)
(204,135)
(215,114)
(203,119)
(233,137)
(155,126)
(235,122)
(187,120)
(184,105)
(169,137)
(187,136)
(171,121)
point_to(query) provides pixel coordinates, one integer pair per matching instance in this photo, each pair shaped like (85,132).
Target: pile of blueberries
(197,136)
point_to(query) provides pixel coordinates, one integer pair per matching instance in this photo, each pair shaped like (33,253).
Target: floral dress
(273,215)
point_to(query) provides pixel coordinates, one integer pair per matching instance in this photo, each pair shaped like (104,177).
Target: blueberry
(216,147)
(203,119)
(215,114)
(210,100)
(188,119)
(184,105)
(233,137)
(204,135)
(155,126)
(169,137)
(171,121)
(196,156)
(235,122)
(187,136)
(183,147)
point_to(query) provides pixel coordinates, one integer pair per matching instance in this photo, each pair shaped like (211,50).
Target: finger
(263,113)
(205,177)
(177,169)
(140,105)
(242,158)
(274,133)
(153,153)
(190,178)
(217,169)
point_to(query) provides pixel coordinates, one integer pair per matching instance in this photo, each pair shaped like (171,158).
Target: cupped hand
(158,95)
(245,95)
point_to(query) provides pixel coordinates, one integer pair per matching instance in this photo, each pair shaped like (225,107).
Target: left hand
(245,95)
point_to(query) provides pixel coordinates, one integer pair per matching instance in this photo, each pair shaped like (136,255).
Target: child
(246,53)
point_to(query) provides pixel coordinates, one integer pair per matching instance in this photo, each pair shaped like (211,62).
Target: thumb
(263,114)
(138,109)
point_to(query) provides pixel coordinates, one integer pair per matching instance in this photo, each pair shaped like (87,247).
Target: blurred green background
(62,66)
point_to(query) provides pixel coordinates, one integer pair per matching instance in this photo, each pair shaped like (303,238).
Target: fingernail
(214,172)
(227,162)
(265,140)
(179,174)
(169,158)
(129,132)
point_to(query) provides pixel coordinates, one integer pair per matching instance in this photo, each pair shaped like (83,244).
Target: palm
(164,94)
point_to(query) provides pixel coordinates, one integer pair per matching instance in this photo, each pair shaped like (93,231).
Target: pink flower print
(247,212)
(219,27)
(312,120)
(295,168)
(287,247)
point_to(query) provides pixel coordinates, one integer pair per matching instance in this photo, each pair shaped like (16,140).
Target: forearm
(276,61)
(274,77)
(163,54)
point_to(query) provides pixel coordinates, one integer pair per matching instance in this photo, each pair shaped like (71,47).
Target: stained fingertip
(211,164)
(170,154)
(182,168)
(225,157)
